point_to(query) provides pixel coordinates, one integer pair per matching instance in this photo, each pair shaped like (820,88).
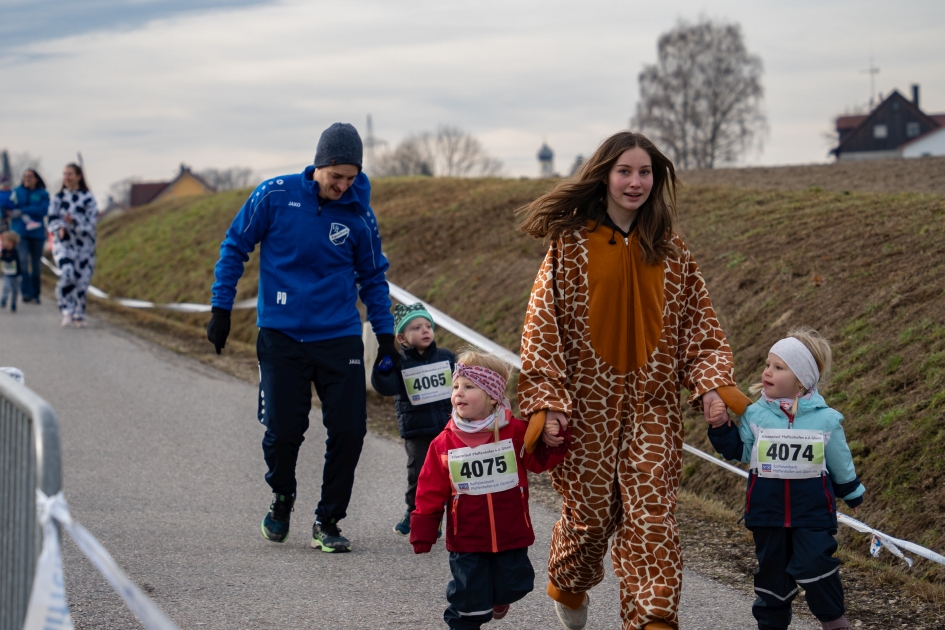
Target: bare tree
(411,157)
(231,178)
(451,152)
(702,100)
(120,191)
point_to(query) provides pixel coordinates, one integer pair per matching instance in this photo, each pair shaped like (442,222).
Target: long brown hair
(78,171)
(583,198)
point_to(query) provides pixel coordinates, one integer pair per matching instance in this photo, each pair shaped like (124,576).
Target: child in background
(421,386)
(800,462)
(10,267)
(478,466)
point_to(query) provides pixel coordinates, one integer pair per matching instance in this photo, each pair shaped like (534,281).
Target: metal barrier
(29,460)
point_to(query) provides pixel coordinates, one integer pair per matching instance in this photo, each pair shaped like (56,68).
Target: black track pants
(792,557)
(287,370)
(416,454)
(483,580)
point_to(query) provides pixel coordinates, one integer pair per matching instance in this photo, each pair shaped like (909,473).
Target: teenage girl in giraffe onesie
(618,323)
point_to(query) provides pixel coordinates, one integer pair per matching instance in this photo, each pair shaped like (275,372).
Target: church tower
(546,161)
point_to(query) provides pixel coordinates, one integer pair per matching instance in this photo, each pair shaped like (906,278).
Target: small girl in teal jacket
(799,462)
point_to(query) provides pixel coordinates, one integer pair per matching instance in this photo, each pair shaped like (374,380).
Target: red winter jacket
(478,523)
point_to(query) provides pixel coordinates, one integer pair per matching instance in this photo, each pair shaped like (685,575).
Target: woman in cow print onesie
(619,323)
(73,214)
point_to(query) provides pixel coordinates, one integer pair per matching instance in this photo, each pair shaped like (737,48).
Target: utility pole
(872,71)
(370,142)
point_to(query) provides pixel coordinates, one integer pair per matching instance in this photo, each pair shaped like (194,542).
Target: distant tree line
(450,152)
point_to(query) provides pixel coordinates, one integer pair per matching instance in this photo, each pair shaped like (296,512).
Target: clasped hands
(715,411)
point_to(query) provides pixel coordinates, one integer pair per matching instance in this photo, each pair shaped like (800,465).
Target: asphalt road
(162,463)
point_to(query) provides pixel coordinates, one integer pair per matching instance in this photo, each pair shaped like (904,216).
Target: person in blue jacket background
(320,250)
(27,206)
(800,461)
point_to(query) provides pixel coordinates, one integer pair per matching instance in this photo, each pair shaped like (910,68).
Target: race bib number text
(484,469)
(790,453)
(428,383)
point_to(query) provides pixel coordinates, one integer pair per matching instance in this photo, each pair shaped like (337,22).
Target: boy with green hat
(421,386)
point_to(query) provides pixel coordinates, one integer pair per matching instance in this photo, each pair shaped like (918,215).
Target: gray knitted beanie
(339,144)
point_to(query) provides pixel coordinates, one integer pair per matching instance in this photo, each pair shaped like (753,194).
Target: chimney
(915,94)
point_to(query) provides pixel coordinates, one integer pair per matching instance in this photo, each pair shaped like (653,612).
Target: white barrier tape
(181,307)
(463,332)
(467,334)
(47,607)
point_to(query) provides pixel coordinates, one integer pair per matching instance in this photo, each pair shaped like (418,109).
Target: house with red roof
(186,183)
(888,130)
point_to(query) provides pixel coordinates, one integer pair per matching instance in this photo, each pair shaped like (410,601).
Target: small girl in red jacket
(477,466)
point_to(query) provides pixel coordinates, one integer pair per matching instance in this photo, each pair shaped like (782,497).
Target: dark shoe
(836,624)
(403,525)
(3,304)
(13,308)
(328,538)
(275,525)
(500,611)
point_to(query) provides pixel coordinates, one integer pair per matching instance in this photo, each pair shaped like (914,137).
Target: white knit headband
(799,359)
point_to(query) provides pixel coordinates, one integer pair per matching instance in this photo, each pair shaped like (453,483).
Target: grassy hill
(864,268)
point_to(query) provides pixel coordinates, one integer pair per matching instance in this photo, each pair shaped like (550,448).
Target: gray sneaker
(573,619)
(328,538)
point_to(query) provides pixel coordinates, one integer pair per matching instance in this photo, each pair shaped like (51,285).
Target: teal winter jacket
(793,502)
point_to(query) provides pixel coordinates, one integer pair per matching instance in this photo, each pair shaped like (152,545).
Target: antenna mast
(872,71)
(370,142)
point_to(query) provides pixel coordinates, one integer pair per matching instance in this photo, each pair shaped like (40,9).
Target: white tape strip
(181,307)
(54,508)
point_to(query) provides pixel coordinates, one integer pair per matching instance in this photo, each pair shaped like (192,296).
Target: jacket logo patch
(339,233)
(295,204)
(280,297)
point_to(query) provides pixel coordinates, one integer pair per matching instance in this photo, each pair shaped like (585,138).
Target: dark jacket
(487,523)
(315,259)
(33,206)
(10,262)
(415,420)
(808,502)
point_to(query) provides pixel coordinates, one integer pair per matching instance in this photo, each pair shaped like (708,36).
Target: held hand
(388,357)
(218,328)
(715,411)
(68,219)
(555,423)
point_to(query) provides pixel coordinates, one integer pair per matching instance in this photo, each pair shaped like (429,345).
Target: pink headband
(485,379)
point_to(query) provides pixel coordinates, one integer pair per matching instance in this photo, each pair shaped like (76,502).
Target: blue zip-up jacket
(415,420)
(793,502)
(33,204)
(314,260)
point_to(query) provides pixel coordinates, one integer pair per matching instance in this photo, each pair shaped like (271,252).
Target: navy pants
(287,370)
(483,580)
(789,557)
(30,251)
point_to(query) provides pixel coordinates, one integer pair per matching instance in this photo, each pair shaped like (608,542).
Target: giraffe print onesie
(75,254)
(611,341)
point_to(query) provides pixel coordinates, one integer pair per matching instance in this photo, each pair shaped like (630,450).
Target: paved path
(162,463)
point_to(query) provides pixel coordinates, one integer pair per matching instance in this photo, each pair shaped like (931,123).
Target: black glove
(388,357)
(218,328)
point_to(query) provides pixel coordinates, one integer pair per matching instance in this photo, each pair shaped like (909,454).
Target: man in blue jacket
(319,251)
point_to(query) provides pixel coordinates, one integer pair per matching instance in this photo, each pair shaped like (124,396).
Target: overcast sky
(141,86)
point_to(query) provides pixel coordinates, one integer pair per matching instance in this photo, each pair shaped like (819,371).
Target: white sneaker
(66,320)
(573,619)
